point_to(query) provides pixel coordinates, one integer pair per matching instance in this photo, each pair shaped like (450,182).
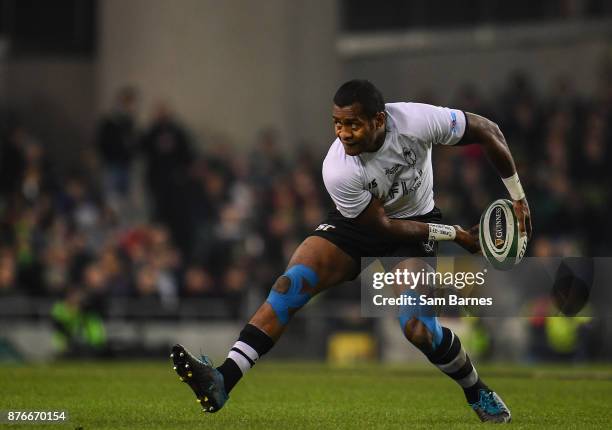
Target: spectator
(12,160)
(78,330)
(267,161)
(168,156)
(117,140)
(197,282)
(8,272)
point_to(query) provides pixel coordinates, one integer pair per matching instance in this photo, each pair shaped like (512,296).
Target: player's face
(357,132)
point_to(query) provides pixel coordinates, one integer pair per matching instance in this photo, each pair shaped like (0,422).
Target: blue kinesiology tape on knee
(293,297)
(423,313)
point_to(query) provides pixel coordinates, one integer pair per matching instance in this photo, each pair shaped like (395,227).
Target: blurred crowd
(215,222)
(218,221)
(561,146)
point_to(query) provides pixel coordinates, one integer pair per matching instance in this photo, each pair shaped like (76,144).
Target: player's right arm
(346,185)
(374,218)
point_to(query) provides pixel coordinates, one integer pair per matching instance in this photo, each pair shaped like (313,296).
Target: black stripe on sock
(472,393)
(231,374)
(447,352)
(256,339)
(443,348)
(452,353)
(251,362)
(465,370)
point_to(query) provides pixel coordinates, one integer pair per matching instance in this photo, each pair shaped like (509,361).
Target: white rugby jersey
(400,172)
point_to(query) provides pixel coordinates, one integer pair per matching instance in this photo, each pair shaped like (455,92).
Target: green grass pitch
(274,395)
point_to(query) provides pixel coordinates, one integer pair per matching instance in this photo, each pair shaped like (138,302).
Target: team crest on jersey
(392,170)
(409,156)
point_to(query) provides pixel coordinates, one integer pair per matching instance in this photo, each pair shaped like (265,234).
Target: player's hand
(468,239)
(521,210)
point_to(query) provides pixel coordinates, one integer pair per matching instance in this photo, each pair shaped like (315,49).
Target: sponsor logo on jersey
(392,170)
(325,227)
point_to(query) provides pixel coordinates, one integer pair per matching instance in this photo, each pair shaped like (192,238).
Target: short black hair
(363,92)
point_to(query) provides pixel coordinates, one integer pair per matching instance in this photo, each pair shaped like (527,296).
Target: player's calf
(450,357)
(444,350)
(290,292)
(418,333)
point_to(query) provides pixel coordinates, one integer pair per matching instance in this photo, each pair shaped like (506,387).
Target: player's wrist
(514,187)
(440,232)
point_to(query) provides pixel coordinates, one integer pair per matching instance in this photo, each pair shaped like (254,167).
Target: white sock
(243,355)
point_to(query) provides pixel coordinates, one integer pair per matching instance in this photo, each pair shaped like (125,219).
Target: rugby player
(379,174)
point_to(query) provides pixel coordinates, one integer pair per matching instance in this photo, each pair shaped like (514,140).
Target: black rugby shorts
(357,241)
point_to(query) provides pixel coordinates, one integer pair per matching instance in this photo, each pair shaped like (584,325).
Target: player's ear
(380,119)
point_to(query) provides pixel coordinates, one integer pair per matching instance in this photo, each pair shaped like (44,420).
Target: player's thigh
(331,264)
(316,265)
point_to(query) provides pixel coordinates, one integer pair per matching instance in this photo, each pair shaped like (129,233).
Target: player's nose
(345,135)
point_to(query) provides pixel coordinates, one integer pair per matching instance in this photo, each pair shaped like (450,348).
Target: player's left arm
(484,132)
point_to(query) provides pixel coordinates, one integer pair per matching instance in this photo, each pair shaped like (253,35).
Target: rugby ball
(500,240)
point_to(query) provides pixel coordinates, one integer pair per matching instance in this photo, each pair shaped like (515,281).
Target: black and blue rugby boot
(204,380)
(491,408)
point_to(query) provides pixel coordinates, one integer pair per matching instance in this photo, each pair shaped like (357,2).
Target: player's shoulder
(410,117)
(339,167)
(404,108)
(426,122)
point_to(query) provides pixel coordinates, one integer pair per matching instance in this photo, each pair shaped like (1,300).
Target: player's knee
(416,332)
(292,291)
(282,284)
(423,332)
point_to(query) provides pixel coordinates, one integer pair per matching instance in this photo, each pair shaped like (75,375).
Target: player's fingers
(523,225)
(522,219)
(529,227)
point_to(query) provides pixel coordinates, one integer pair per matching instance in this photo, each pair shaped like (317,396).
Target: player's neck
(379,141)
